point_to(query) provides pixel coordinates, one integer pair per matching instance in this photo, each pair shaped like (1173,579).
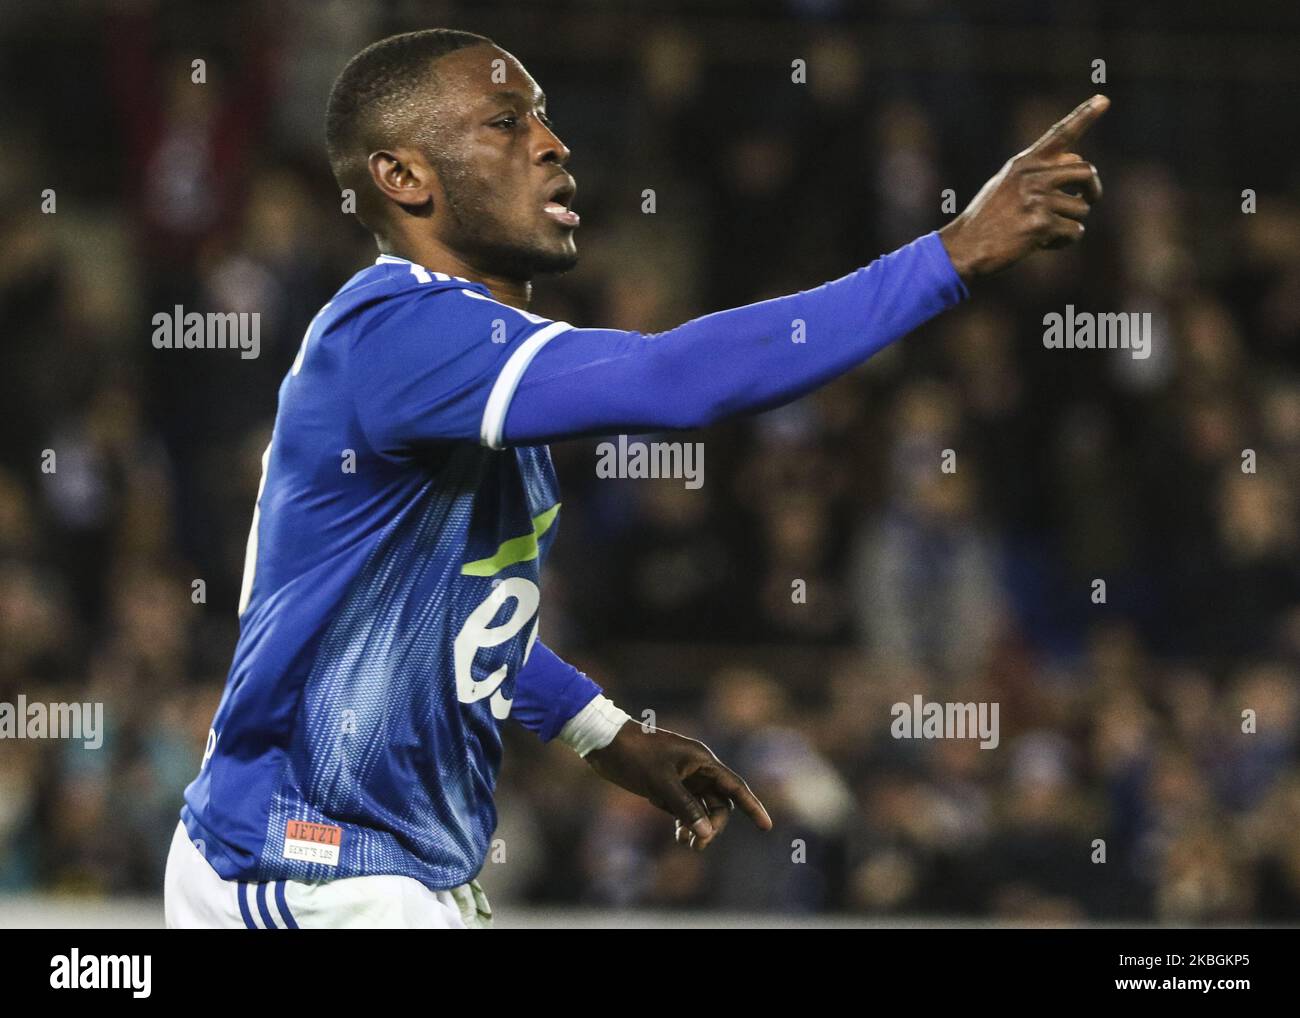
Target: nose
(549,147)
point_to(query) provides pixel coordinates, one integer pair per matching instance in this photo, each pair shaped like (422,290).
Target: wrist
(963,260)
(594,727)
(952,241)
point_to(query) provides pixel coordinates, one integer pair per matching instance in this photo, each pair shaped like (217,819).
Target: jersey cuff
(593,727)
(492,429)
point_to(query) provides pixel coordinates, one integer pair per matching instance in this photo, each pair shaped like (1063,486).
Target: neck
(437,257)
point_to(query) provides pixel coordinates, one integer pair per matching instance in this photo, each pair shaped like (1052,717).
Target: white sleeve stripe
(492,430)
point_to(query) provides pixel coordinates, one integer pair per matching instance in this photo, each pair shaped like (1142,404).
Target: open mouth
(558,200)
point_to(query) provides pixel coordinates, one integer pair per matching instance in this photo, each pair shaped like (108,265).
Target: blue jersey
(390,594)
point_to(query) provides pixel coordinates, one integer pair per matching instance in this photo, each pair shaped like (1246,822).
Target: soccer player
(389,617)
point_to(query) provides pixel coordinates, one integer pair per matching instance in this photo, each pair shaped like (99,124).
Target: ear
(403,176)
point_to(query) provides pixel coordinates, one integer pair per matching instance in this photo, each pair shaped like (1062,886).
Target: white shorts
(195,897)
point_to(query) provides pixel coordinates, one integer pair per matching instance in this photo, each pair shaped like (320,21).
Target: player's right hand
(1039,199)
(682,777)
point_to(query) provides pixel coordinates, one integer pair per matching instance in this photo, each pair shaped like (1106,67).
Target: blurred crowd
(1147,765)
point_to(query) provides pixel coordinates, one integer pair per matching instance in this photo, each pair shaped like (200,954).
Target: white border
(491,432)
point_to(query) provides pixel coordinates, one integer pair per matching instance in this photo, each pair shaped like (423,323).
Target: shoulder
(397,293)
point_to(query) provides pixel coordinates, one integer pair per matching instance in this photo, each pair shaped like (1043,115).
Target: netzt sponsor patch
(308,842)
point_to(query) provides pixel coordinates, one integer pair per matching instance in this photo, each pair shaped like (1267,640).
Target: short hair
(374,88)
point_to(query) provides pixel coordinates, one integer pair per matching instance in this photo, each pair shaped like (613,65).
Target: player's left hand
(1039,199)
(682,777)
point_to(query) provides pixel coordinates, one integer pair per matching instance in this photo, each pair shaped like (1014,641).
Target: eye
(507,122)
(546,121)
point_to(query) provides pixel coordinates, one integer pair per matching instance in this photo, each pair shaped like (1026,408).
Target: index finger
(732,785)
(1065,132)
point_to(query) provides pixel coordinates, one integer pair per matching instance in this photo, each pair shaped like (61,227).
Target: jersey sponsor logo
(517,549)
(308,842)
(478,634)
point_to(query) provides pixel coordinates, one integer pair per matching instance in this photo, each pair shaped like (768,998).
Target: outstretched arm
(593,381)
(450,363)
